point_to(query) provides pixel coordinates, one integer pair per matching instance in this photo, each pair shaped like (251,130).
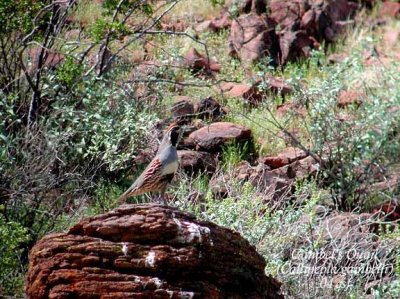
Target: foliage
(88,133)
(246,214)
(103,27)
(291,238)
(69,72)
(111,6)
(18,15)
(262,125)
(217,2)
(101,121)
(351,146)
(12,234)
(234,153)
(102,199)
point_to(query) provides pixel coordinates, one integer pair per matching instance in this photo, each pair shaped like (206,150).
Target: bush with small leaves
(354,141)
(102,122)
(12,235)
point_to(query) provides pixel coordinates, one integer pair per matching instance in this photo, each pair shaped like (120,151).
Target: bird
(160,171)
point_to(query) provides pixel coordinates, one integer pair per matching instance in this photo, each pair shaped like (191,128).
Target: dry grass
(87,12)
(189,11)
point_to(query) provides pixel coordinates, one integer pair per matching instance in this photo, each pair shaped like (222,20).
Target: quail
(160,171)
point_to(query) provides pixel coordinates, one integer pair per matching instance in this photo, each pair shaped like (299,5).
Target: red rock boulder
(209,109)
(199,62)
(295,45)
(254,92)
(288,13)
(253,37)
(284,158)
(147,251)
(247,91)
(211,138)
(183,107)
(195,161)
(350,97)
(389,9)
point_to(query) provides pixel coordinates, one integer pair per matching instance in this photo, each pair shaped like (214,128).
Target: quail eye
(174,136)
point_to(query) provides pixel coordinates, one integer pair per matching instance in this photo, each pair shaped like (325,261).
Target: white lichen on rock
(158,283)
(150,259)
(189,232)
(170,293)
(186,295)
(125,249)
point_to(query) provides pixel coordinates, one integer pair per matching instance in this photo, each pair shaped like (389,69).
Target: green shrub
(12,235)
(87,137)
(103,199)
(69,72)
(234,153)
(295,228)
(101,122)
(102,27)
(18,15)
(351,142)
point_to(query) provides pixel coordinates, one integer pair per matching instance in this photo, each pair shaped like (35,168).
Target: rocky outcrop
(295,45)
(273,176)
(183,107)
(206,109)
(255,6)
(247,91)
(252,37)
(220,23)
(288,13)
(286,30)
(147,251)
(318,19)
(269,185)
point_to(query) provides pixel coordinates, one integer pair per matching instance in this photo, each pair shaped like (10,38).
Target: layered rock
(147,251)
